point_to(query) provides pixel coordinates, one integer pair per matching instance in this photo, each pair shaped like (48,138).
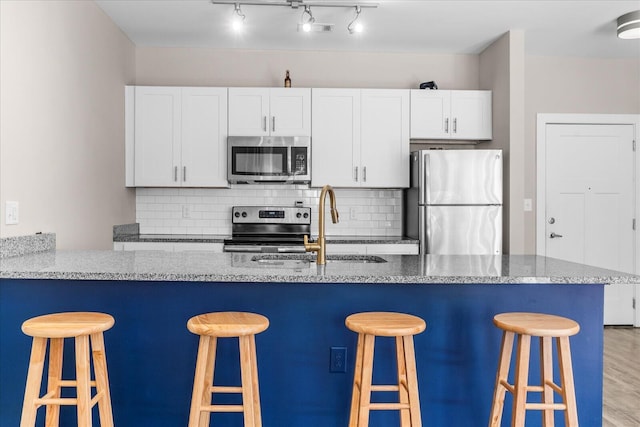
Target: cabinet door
(248,111)
(471,114)
(157,136)
(290,112)
(385,138)
(204,137)
(430,111)
(335,140)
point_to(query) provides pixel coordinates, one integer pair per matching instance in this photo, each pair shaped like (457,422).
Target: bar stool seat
(210,327)
(386,324)
(87,329)
(546,327)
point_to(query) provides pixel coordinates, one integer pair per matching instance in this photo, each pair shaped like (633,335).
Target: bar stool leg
(357,383)
(205,416)
(83,381)
(546,376)
(521,379)
(365,385)
(412,381)
(34,380)
(246,371)
(102,379)
(566,375)
(53,381)
(403,394)
(256,388)
(503,372)
(196,414)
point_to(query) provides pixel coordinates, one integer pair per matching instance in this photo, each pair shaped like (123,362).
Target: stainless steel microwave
(268,159)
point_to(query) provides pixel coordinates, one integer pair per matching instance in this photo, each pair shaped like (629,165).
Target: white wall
(64,65)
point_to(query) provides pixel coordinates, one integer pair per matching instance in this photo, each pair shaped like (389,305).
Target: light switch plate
(11,213)
(528,205)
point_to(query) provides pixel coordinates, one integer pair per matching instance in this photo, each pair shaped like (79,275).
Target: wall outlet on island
(338,362)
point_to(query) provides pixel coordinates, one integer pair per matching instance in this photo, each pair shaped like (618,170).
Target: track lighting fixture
(307,20)
(355,26)
(238,20)
(306,23)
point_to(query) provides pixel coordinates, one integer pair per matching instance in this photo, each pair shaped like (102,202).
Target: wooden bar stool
(86,328)
(403,327)
(546,327)
(210,327)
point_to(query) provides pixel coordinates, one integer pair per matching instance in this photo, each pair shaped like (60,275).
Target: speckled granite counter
(229,267)
(215,238)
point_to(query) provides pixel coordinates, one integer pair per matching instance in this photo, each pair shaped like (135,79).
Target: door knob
(554,235)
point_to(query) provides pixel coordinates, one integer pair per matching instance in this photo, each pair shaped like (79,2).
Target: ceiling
(551,27)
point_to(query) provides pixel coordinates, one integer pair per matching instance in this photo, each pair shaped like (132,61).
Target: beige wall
(572,85)
(64,65)
(502,72)
(218,67)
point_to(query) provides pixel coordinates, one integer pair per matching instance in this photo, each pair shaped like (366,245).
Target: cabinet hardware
(264,123)
(446,125)
(356,173)
(184,173)
(273,124)
(455,125)
(364,174)
(175,173)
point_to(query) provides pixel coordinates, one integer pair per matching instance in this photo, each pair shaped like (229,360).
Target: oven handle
(263,249)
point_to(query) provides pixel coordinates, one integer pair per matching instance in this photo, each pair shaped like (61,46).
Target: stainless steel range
(268,229)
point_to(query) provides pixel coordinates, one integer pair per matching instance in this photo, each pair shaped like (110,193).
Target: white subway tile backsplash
(160,210)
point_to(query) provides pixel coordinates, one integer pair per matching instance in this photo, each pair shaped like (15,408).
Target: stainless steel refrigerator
(454,203)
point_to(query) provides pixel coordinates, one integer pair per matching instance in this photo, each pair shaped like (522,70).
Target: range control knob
(237,214)
(298,215)
(306,215)
(244,214)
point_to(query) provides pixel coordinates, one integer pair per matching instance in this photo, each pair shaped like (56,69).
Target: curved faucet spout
(320,245)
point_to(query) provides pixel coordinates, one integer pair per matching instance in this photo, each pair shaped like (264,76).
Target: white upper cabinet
(451,114)
(360,138)
(178,137)
(269,111)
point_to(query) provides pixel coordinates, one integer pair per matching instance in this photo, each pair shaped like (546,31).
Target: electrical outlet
(11,213)
(528,205)
(353,213)
(338,361)
(186,211)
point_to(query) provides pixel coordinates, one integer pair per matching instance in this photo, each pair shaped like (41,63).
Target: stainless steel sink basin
(271,259)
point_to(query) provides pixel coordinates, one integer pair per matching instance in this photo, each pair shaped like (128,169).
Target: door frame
(541,145)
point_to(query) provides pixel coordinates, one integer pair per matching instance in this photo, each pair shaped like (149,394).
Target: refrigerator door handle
(424,179)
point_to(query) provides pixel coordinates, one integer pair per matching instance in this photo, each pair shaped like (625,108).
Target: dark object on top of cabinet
(428,85)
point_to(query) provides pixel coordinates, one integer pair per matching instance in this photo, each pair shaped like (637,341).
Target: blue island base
(151,354)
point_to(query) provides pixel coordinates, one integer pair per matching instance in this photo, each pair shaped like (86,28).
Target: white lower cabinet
(360,138)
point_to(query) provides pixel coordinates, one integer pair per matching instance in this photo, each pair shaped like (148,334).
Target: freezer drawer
(462,230)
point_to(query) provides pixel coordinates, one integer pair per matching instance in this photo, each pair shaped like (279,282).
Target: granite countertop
(235,267)
(217,238)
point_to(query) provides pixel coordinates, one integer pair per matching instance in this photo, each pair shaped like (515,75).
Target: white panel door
(430,111)
(589,206)
(204,137)
(335,140)
(248,111)
(290,112)
(157,136)
(384,147)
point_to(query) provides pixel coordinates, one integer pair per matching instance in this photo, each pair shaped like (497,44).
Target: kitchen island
(151,354)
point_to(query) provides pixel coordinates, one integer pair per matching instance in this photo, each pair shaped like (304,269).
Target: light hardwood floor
(621,406)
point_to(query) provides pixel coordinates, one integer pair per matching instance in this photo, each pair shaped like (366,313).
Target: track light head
(355,26)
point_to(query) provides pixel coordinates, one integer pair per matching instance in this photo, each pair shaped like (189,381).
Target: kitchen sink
(269,259)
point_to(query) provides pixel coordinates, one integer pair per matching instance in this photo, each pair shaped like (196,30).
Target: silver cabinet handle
(364,174)
(184,173)
(356,173)
(446,125)
(264,123)
(175,173)
(555,236)
(273,124)
(455,125)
